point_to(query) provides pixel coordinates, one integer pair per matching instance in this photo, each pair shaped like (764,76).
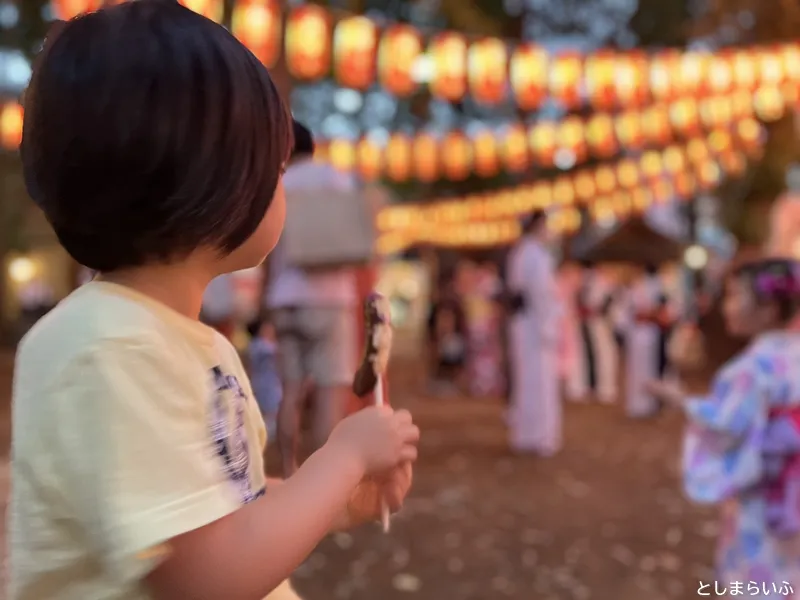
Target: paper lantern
(585,187)
(674,159)
(449,52)
(542,140)
(664,70)
(10,126)
(770,67)
(308,42)
(720,73)
(790,54)
(210,9)
(768,103)
(342,154)
(67,9)
(605,179)
(694,68)
(566,75)
(563,192)
(572,138)
(628,126)
(258,25)
(697,150)
(656,127)
(369,159)
(426,157)
(355,44)
(397,157)
(515,149)
(685,116)
(529,75)
(720,140)
(628,173)
(487,66)
(456,156)
(685,184)
(399,50)
(640,199)
(745,73)
(734,163)
(651,164)
(663,191)
(709,175)
(601,136)
(486,158)
(716,111)
(600,80)
(631,79)
(742,103)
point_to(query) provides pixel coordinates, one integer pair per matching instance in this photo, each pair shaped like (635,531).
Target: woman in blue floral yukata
(742,444)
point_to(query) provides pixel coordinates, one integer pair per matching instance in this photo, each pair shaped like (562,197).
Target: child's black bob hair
(772,280)
(150,132)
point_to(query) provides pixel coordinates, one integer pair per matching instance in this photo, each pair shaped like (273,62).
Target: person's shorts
(318,343)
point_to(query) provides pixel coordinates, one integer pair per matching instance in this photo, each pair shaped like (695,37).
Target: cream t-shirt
(132,424)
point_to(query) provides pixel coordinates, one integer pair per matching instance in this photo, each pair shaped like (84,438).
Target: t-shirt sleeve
(135,453)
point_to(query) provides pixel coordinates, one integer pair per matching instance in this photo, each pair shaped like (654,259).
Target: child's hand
(668,392)
(378,437)
(366,503)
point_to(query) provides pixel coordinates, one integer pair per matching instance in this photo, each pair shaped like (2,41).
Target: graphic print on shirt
(230,439)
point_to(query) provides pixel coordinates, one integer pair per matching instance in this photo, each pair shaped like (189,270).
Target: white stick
(379,401)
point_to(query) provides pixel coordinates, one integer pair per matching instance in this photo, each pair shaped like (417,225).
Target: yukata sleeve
(721,451)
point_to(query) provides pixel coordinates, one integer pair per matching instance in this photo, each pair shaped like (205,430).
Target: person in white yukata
(647,304)
(597,360)
(535,420)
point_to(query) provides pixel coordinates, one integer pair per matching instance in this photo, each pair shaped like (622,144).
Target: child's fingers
(409,434)
(408,454)
(403,417)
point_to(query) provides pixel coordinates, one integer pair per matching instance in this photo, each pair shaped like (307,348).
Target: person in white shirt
(315,319)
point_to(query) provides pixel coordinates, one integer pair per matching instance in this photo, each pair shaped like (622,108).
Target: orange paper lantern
(308,42)
(542,140)
(10,126)
(720,73)
(655,125)
(694,67)
(354,49)
(400,47)
(398,157)
(529,75)
(745,72)
(566,75)
(449,52)
(484,145)
(601,136)
(664,69)
(600,80)
(487,65)
(628,173)
(515,149)
(605,179)
(628,126)
(456,156)
(210,9)
(585,187)
(770,68)
(369,158)
(685,116)
(342,154)
(651,164)
(67,9)
(258,25)
(631,79)
(572,137)
(426,157)
(790,54)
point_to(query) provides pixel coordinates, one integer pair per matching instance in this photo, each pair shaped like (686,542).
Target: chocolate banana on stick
(377,346)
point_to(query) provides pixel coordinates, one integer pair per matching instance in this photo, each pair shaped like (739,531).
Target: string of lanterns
(610,191)
(358,53)
(517,147)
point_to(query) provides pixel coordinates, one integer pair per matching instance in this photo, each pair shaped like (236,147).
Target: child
(154,142)
(743,442)
(263,357)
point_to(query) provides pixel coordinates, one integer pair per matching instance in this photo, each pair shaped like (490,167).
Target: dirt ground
(604,519)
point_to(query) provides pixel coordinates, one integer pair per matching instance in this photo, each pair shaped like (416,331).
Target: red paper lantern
(258,25)
(529,75)
(11,126)
(67,9)
(426,157)
(449,52)
(210,9)
(542,140)
(399,50)
(720,73)
(664,70)
(685,116)
(308,42)
(790,54)
(572,137)
(566,75)
(600,80)
(694,68)
(745,72)
(398,157)
(484,145)
(487,67)
(601,136)
(354,49)
(515,149)
(770,68)
(456,156)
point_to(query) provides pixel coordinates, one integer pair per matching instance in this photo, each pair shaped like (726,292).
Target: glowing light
(695,257)
(22,270)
